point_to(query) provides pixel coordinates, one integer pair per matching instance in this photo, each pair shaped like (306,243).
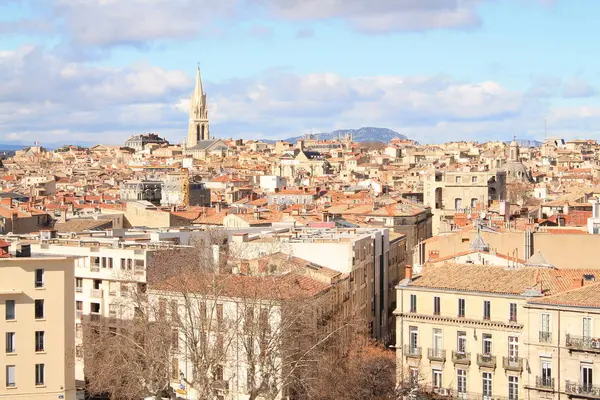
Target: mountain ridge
(364,134)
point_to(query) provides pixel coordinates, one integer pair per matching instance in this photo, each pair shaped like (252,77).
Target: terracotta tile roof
(492,279)
(585,296)
(278,287)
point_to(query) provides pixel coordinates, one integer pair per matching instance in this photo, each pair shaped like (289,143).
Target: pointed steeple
(198,126)
(198,90)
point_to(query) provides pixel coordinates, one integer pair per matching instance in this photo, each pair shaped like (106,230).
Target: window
(487,385)
(175,369)
(513,312)
(513,348)
(513,388)
(10,310)
(39,341)
(219,372)
(586,377)
(219,314)
(97,283)
(473,179)
(461,345)
(39,278)
(174,340)
(487,310)
(586,328)
(437,378)
(413,334)
(461,308)
(78,285)
(414,375)
(474,202)
(413,303)
(545,328)
(39,374)
(458,203)
(546,367)
(459,179)
(487,344)
(174,311)
(10,376)
(10,342)
(437,340)
(39,309)
(95,308)
(461,382)
(436,305)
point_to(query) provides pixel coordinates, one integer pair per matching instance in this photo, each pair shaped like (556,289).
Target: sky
(99,71)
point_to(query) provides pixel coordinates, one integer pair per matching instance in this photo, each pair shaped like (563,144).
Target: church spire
(198,126)
(198,90)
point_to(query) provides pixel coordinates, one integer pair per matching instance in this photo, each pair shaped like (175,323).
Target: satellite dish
(482,215)
(468,216)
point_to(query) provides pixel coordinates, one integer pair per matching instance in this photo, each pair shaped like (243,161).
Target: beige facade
(38,323)
(564,351)
(449,192)
(441,348)
(474,331)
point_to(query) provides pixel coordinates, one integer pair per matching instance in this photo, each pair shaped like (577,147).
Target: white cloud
(66,101)
(380,16)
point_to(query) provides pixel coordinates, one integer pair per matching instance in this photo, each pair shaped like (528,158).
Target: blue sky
(435,70)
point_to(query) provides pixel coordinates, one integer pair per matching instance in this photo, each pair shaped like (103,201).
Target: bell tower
(198,128)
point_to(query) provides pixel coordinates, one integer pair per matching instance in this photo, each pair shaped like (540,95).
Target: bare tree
(196,323)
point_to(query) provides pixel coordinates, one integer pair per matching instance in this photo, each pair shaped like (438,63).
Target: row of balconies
(464,358)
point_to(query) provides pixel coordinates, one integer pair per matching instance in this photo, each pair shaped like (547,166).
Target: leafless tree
(203,311)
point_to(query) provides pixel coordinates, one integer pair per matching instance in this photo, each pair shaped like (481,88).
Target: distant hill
(366,134)
(11,147)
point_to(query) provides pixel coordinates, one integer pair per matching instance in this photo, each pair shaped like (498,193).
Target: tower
(514,150)
(198,126)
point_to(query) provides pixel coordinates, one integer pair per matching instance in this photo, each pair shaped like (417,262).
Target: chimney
(256,213)
(218,207)
(577,283)
(408,272)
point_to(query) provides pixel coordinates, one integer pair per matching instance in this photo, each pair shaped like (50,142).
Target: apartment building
(363,253)
(263,305)
(37,315)
(474,331)
(564,353)
(105,271)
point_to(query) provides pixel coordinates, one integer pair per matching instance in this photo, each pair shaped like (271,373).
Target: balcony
(139,272)
(543,383)
(582,343)
(512,364)
(582,390)
(486,360)
(79,289)
(461,357)
(436,355)
(96,293)
(79,314)
(545,337)
(95,268)
(412,351)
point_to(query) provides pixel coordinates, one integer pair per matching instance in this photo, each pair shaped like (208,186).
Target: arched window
(458,203)
(198,133)
(473,202)
(203,132)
